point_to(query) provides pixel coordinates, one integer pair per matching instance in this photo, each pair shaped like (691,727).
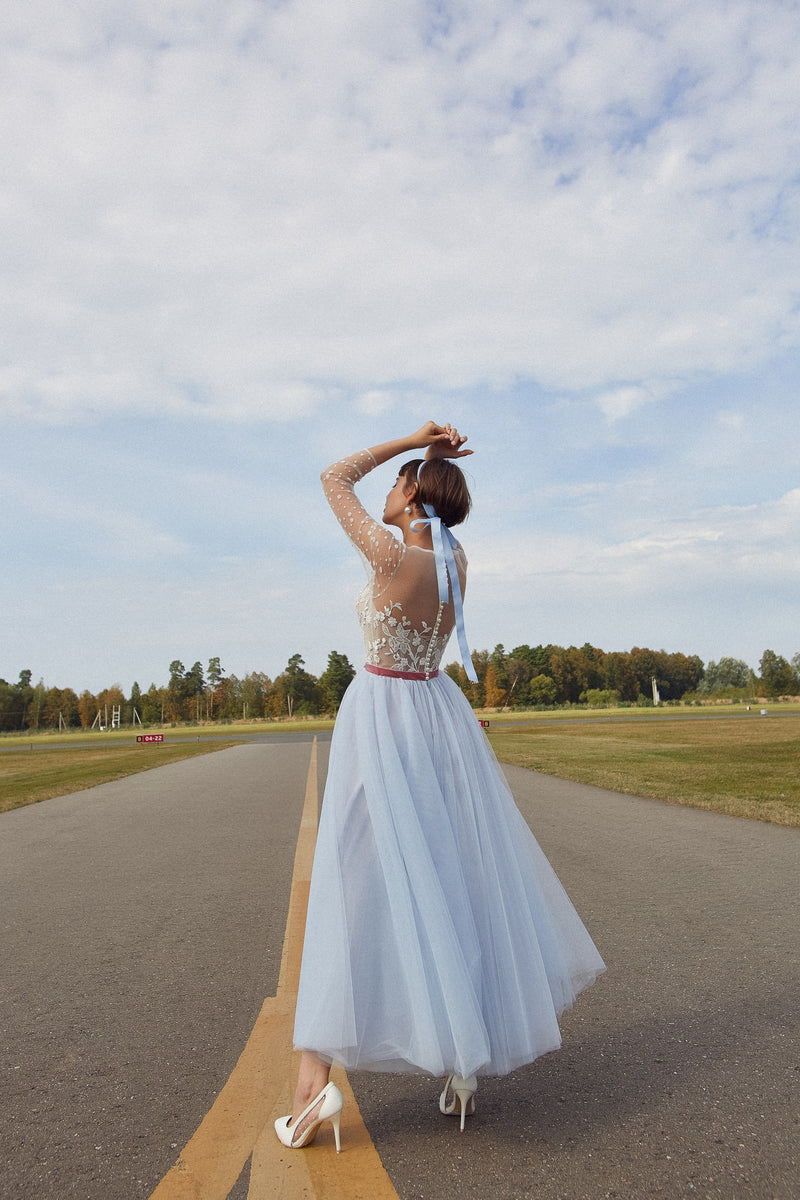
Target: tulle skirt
(438,937)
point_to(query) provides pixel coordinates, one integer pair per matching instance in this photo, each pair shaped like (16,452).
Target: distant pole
(656,696)
(510,690)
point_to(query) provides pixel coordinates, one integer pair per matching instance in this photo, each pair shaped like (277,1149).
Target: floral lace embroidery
(391,640)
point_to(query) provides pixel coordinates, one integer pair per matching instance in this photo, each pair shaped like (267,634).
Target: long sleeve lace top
(405,626)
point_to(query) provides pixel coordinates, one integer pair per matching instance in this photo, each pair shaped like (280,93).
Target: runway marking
(239,1125)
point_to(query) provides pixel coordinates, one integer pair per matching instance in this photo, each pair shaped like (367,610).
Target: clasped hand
(442,441)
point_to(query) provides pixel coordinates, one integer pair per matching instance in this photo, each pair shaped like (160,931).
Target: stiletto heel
(335,1120)
(463,1100)
(330,1110)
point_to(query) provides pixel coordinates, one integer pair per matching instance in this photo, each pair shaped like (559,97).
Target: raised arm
(383,551)
(438,441)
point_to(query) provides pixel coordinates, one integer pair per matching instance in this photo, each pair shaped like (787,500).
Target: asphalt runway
(142,927)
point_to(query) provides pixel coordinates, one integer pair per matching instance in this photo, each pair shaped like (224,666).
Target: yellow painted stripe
(260,1088)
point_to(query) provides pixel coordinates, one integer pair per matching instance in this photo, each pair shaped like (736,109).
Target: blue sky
(243,239)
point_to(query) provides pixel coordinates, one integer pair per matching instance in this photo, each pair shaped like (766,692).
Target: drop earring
(407,508)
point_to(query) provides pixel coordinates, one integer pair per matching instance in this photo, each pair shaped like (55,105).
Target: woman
(438,938)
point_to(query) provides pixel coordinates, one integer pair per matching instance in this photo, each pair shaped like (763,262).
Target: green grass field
(28,776)
(746,766)
(724,759)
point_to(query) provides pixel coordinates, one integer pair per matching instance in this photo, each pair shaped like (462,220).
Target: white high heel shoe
(330,1110)
(463,1097)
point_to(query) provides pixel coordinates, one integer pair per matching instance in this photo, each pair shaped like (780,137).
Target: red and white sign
(150,737)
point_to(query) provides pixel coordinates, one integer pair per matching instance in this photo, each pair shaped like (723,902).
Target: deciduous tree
(777,676)
(494,694)
(727,673)
(60,708)
(153,705)
(542,690)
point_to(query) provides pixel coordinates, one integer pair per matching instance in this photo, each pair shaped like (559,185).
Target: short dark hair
(442,485)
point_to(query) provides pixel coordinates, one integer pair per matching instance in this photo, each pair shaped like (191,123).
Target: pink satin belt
(399,674)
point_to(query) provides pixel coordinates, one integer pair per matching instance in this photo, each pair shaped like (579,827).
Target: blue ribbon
(443,546)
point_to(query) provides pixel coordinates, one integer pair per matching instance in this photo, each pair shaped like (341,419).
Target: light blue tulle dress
(438,937)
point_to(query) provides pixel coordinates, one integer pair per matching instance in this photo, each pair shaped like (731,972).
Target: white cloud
(241,239)
(749,548)
(376,401)
(715,583)
(243,211)
(622,401)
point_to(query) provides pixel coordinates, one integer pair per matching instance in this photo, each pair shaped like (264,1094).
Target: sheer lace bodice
(404,625)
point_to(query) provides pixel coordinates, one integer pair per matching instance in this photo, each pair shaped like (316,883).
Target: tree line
(525,677)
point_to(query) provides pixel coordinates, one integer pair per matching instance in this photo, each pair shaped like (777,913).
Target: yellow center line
(239,1125)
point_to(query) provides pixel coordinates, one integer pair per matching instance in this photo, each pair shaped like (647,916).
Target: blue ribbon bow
(443,546)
